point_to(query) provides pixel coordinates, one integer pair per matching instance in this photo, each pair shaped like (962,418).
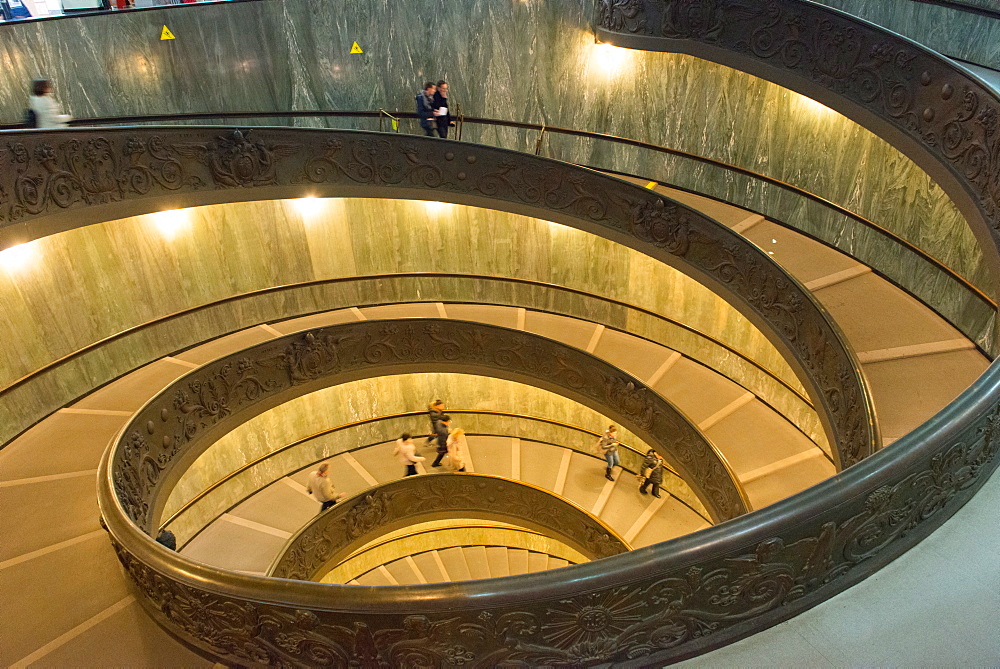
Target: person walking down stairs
(321,488)
(457,447)
(442,428)
(406,453)
(652,472)
(608,446)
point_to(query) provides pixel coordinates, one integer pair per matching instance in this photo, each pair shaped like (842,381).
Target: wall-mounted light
(810,106)
(609,59)
(172,222)
(17,258)
(309,206)
(436,208)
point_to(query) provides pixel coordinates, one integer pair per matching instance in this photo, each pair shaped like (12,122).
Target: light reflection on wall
(172,222)
(309,207)
(19,257)
(610,60)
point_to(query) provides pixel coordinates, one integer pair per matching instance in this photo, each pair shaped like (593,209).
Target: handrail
(623,211)
(375,277)
(543,129)
(371,513)
(624,467)
(407,414)
(212,399)
(186,166)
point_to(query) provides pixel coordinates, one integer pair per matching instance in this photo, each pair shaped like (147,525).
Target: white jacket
(47,112)
(406,452)
(321,487)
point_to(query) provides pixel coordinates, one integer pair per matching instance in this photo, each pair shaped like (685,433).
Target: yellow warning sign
(355,48)
(166,34)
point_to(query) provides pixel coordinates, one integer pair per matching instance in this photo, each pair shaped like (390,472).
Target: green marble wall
(130,272)
(370,398)
(951,31)
(520,60)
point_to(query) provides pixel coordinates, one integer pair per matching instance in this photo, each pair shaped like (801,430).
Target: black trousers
(443,130)
(411,470)
(656,486)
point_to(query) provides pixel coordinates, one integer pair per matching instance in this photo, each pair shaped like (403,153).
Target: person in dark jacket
(652,472)
(442,110)
(443,429)
(434,411)
(425,109)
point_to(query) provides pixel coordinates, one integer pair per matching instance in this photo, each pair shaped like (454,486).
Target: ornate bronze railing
(68,179)
(184,419)
(332,536)
(631,458)
(672,600)
(979,302)
(936,112)
(148,330)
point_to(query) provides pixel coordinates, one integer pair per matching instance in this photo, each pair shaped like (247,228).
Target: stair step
(517,558)
(454,562)
(496,556)
(537,561)
(477,561)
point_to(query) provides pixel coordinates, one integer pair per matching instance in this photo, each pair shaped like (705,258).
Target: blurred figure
(442,428)
(457,448)
(47,113)
(652,472)
(406,453)
(608,446)
(435,410)
(321,488)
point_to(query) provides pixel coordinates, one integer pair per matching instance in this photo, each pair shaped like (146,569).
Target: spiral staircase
(239,506)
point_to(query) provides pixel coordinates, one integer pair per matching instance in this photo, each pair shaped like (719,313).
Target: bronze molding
(174,427)
(939,114)
(61,179)
(650,606)
(631,453)
(330,537)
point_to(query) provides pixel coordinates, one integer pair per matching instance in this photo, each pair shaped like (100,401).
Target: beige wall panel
(92,283)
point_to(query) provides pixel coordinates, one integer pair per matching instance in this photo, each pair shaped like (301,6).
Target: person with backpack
(43,110)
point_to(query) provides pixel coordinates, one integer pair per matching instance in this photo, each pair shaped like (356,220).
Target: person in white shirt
(321,488)
(47,112)
(406,453)
(457,446)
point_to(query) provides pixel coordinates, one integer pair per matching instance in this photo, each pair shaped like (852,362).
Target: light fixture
(171,222)
(308,206)
(18,257)
(609,59)
(435,208)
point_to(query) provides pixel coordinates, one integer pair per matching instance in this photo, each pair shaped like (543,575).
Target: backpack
(30,119)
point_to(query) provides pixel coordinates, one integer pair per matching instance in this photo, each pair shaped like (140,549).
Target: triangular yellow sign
(355,48)
(166,34)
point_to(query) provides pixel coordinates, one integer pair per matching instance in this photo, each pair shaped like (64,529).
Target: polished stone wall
(962,34)
(370,398)
(527,61)
(139,269)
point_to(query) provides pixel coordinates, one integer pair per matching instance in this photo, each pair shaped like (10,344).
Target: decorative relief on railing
(687,605)
(205,398)
(953,117)
(332,536)
(192,160)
